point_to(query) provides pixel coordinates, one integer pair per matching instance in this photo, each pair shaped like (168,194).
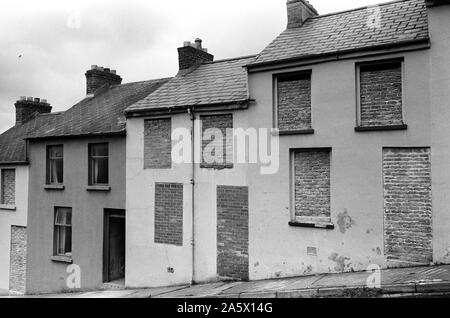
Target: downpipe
(192,117)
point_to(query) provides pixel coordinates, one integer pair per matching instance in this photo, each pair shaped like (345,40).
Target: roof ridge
(357,9)
(231,59)
(144,81)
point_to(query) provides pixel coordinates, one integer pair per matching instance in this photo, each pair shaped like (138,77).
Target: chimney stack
(28,107)
(98,76)
(192,55)
(298,11)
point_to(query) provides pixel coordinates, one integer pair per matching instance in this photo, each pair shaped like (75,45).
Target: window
(158,143)
(380,96)
(311,193)
(98,164)
(55,162)
(8,186)
(293,103)
(63,232)
(217,141)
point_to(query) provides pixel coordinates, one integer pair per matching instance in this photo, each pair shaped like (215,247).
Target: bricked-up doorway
(232,232)
(18,259)
(407,205)
(114,245)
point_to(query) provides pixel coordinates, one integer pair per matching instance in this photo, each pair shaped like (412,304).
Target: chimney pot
(186,43)
(28,107)
(99,76)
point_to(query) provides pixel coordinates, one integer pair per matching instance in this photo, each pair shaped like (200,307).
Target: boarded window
(98,164)
(55,164)
(312,183)
(8,186)
(294,102)
(63,232)
(169,213)
(380,92)
(217,141)
(158,144)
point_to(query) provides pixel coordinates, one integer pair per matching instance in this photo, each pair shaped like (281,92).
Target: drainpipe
(192,116)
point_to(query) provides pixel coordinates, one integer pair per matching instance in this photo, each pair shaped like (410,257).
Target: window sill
(7,207)
(319,223)
(62,259)
(54,187)
(380,128)
(308,131)
(216,166)
(104,188)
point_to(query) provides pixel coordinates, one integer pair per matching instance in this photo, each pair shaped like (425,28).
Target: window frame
(361,64)
(91,161)
(301,74)
(308,221)
(55,233)
(49,165)
(3,205)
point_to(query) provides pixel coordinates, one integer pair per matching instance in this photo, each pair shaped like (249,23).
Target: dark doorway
(114,245)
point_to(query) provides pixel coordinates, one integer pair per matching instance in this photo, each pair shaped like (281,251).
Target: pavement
(401,282)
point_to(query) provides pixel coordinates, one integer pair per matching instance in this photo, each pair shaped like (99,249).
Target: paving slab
(196,291)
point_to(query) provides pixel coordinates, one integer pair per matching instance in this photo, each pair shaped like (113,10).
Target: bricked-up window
(98,164)
(293,111)
(217,141)
(408,230)
(8,187)
(169,213)
(311,185)
(381,94)
(55,162)
(158,144)
(63,232)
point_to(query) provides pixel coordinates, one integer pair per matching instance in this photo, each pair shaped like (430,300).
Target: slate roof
(401,22)
(101,114)
(219,82)
(12,143)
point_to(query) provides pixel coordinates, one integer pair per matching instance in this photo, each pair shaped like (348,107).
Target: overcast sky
(47,45)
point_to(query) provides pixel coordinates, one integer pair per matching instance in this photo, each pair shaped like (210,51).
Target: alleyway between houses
(404,282)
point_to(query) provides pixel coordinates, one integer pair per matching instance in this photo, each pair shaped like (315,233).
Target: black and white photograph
(225,155)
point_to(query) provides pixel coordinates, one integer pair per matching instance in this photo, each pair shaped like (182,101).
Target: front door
(114,247)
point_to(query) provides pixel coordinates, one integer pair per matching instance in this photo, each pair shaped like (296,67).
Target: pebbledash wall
(11,223)
(154,260)
(43,274)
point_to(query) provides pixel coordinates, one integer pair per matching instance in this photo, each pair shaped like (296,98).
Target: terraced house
(76,199)
(31,113)
(348,110)
(360,102)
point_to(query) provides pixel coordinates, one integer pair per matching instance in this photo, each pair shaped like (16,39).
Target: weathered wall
(151,264)
(440,129)
(43,274)
(279,250)
(10,218)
